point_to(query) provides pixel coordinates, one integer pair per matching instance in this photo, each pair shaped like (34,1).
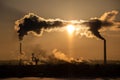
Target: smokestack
(20,60)
(20,47)
(105,55)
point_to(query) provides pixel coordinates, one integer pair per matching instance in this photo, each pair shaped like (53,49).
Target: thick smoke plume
(92,27)
(34,23)
(105,21)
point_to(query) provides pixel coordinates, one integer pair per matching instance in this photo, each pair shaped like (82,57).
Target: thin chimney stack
(105,55)
(20,47)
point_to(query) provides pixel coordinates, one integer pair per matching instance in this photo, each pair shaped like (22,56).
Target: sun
(70,29)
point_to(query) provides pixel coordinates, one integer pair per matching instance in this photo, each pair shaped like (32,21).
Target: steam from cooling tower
(36,24)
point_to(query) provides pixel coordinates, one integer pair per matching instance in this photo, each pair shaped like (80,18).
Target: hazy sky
(88,48)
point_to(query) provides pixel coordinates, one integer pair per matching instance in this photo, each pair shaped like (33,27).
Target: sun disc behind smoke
(70,29)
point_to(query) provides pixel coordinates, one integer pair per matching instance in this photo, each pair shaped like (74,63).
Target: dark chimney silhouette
(20,47)
(105,55)
(20,60)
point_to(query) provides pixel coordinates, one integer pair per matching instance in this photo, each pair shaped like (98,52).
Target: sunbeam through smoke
(35,24)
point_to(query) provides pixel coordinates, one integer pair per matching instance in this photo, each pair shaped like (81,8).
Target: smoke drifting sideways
(54,57)
(107,20)
(58,56)
(88,28)
(36,24)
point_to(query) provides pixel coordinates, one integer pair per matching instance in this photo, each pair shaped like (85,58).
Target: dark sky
(88,48)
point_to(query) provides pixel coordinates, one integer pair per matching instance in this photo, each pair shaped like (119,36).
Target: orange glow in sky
(70,29)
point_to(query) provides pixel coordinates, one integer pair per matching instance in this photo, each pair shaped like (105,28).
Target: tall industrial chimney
(20,47)
(105,55)
(20,60)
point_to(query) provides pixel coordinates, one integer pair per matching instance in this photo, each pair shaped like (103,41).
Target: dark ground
(65,70)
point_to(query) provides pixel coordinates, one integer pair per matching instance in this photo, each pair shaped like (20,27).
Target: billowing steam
(61,56)
(57,57)
(92,27)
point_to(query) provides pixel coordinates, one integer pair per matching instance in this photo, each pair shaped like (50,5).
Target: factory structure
(34,59)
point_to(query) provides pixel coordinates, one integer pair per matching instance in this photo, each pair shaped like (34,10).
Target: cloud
(109,16)
(89,28)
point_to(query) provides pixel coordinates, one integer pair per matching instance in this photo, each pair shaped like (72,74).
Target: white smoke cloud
(61,56)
